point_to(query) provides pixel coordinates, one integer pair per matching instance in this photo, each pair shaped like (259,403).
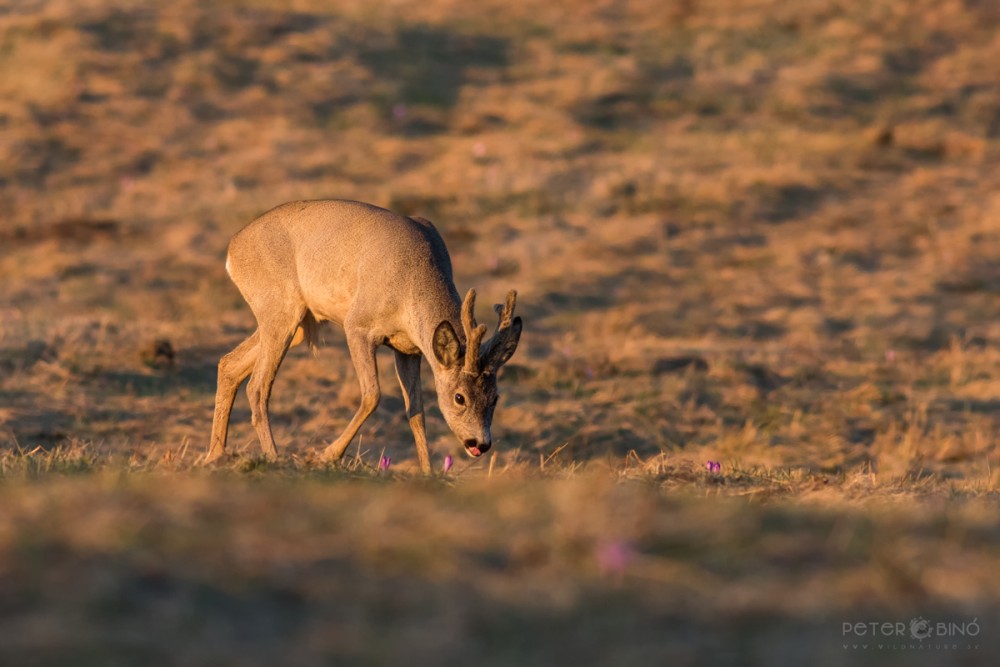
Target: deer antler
(473,333)
(505,312)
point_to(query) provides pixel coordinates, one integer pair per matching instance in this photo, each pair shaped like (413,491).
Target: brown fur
(387,279)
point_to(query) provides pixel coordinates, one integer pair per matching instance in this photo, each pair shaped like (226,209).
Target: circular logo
(920,628)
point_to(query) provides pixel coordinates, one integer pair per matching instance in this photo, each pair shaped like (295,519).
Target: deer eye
(460,399)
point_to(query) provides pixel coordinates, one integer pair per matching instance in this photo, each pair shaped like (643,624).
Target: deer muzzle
(474,448)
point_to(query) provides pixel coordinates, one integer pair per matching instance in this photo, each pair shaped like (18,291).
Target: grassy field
(760,233)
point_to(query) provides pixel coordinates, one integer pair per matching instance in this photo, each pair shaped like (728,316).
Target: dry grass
(758,233)
(298,563)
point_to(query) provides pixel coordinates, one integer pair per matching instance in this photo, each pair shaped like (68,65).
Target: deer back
(344,258)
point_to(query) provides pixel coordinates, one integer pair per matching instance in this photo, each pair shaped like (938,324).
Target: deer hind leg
(275,333)
(362,350)
(233,370)
(408,374)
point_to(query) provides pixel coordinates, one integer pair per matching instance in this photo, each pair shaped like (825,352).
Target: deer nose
(476,448)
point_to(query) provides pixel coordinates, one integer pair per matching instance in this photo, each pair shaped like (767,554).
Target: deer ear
(500,353)
(447,348)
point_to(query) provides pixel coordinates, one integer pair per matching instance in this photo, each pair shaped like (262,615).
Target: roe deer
(387,280)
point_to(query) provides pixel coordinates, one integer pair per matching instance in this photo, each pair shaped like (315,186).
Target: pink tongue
(475,451)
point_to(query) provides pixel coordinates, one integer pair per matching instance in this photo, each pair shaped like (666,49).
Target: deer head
(466,381)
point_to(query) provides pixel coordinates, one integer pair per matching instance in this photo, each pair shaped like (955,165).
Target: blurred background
(723,218)
(764,232)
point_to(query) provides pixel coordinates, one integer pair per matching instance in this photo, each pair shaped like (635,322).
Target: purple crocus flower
(713,466)
(384,462)
(448,462)
(614,557)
